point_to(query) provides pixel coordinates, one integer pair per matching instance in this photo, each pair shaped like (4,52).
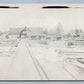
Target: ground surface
(36,62)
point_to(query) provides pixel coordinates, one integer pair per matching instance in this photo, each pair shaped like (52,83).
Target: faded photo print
(41,41)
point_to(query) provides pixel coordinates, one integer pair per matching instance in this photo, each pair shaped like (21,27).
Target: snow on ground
(5,61)
(47,51)
(22,66)
(50,61)
(7,51)
(76,70)
(56,71)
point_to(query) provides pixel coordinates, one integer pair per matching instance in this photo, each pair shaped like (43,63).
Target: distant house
(35,33)
(16,33)
(79,38)
(76,40)
(2,35)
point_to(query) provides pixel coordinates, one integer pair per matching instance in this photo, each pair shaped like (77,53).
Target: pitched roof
(36,30)
(15,30)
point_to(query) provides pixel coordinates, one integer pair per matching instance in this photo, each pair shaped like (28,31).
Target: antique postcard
(41,41)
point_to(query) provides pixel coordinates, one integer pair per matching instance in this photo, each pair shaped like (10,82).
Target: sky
(33,15)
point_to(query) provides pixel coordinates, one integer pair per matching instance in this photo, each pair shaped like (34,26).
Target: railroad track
(68,68)
(41,72)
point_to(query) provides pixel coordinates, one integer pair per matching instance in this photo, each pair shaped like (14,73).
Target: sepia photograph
(42,42)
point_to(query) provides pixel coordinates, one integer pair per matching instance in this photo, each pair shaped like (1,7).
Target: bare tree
(59,31)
